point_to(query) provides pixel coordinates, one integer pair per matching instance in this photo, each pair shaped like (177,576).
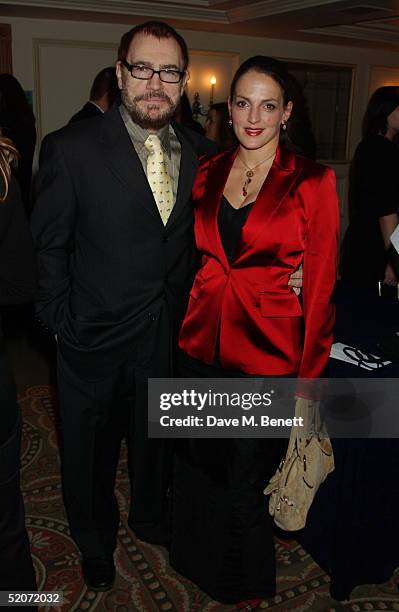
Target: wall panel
(5,48)
(63,73)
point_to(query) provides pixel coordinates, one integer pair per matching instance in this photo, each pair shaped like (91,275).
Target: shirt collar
(139,135)
(96,105)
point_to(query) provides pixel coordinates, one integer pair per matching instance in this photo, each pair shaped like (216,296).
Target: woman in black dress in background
(17,285)
(17,123)
(217,127)
(374,195)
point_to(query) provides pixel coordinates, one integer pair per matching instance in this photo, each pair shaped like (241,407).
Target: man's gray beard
(144,120)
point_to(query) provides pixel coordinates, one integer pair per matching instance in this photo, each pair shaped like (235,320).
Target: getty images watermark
(221,401)
(265,407)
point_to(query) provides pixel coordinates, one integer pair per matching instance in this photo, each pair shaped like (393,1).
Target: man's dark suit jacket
(87,111)
(106,261)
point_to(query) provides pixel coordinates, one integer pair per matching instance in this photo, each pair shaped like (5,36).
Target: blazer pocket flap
(280,305)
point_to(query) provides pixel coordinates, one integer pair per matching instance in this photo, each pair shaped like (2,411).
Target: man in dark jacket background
(103,94)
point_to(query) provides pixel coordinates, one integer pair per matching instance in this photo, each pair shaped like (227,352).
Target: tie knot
(153,143)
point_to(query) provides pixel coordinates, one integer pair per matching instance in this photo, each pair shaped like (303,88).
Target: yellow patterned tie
(158,177)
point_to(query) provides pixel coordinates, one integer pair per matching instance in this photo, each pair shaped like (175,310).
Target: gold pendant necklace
(250,172)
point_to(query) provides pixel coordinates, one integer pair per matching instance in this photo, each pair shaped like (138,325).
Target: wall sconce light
(213,83)
(197,107)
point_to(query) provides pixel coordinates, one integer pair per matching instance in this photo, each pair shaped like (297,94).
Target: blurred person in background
(17,286)
(184,115)
(218,127)
(103,94)
(300,138)
(368,257)
(17,122)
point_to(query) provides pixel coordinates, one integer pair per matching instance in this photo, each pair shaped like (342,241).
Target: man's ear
(184,81)
(118,69)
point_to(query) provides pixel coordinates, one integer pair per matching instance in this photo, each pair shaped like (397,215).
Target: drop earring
(230,122)
(283,125)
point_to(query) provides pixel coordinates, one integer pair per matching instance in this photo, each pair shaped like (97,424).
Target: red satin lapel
(281,178)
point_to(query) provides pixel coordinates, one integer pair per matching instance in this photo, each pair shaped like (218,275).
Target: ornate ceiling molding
(358,32)
(272,7)
(247,17)
(198,10)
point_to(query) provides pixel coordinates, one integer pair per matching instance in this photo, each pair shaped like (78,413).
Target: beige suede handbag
(307,463)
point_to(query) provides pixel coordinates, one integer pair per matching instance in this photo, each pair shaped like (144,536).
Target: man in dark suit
(103,94)
(116,261)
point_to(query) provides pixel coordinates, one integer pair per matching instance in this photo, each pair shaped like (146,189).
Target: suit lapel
(188,169)
(123,161)
(281,178)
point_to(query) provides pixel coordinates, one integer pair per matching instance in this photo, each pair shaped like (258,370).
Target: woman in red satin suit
(260,212)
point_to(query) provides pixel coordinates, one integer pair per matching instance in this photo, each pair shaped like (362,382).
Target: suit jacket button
(152,316)
(165,238)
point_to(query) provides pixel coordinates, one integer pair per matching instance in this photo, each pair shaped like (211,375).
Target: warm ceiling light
(213,80)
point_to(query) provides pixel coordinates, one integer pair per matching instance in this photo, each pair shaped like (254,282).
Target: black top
(231,221)
(375,178)
(374,193)
(17,257)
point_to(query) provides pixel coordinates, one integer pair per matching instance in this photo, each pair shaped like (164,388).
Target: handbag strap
(309,411)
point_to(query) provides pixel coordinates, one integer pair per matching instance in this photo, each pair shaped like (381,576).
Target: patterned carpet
(145,582)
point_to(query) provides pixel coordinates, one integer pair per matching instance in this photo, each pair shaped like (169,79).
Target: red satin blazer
(263,327)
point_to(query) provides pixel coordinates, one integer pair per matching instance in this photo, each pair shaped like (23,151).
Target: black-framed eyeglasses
(145,73)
